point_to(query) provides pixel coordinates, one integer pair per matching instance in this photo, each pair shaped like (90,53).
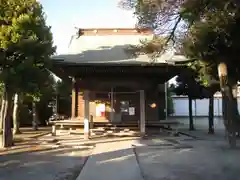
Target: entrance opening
(117,107)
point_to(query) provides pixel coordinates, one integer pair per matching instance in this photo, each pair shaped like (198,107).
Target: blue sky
(65,15)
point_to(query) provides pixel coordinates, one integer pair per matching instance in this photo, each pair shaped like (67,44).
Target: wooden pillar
(112,106)
(57,106)
(86,114)
(166,100)
(74,98)
(142,112)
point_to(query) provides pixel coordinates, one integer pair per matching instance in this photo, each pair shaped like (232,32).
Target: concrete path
(112,161)
(205,160)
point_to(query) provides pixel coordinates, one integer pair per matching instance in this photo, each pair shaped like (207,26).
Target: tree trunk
(230,116)
(191,125)
(16,123)
(35,116)
(2,114)
(229,104)
(7,140)
(211,115)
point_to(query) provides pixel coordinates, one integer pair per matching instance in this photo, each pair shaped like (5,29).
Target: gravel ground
(55,164)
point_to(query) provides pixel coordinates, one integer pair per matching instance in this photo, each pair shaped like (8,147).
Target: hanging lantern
(153,105)
(222,70)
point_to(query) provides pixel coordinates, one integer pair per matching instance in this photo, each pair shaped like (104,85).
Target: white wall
(200,107)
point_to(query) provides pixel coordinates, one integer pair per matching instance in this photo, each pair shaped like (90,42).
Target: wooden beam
(142,112)
(74,98)
(86,114)
(110,70)
(96,83)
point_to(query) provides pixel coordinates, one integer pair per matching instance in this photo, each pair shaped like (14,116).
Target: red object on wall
(102,114)
(100,110)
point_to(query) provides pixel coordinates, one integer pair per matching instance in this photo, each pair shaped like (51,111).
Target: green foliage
(161,16)
(26,41)
(43,110)
(214,37)
(188,84)
(63,90)
(151,47)
(201,73)
(43,85)
(206,31)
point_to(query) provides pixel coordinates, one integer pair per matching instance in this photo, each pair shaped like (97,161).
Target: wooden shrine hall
(111,86)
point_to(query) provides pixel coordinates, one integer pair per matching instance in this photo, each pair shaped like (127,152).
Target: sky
(65,15)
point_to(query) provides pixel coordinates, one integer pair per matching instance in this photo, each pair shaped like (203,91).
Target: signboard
(100,110)
(131,111)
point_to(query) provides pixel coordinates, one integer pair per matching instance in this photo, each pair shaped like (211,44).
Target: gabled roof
(109,46)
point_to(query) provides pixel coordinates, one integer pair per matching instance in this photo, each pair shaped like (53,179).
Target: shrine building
(111,86)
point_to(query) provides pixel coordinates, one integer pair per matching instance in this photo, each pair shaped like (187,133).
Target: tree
(207,31)
(189,84)
(215,41)
(211,115)
(40,85)
(63,90)
(2,107)
(186,86)
(170,103)
(27,44)
(43,87)
(16,123)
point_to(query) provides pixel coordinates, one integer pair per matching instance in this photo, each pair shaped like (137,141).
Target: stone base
(86,135)
(142,134)
(53,130)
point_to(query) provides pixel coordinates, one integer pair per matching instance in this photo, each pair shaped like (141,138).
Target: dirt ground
(158,158)
(47,164)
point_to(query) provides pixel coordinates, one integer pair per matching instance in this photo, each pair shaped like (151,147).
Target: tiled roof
(109,46)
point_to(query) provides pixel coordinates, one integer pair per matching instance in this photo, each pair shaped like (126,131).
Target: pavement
(112,161)
(166,158)
(170,158)
(200,123)
(196,163)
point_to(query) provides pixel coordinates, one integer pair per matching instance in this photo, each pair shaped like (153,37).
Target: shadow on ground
(117,159)
(47,164)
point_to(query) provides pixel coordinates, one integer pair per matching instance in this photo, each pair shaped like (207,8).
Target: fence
(200,106)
